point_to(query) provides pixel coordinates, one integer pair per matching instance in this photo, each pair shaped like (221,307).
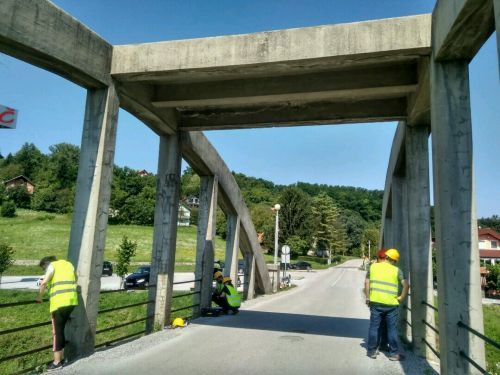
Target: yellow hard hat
(217,275)
(392,254)
(226,279)
(178,322)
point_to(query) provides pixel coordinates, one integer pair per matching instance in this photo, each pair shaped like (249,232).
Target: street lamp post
(276,233)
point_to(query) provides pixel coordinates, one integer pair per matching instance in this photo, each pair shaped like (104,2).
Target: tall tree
(295,215)
(30,158)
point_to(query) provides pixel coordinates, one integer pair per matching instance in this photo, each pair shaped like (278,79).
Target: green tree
(490,222)
(372,234)
(493,277)
(30,158)
(263,221)
(6,258)
(63,164)
(125,251)
(221,224)
(354,226)
(295,215)
(190,183)
(8,209)
(20,196)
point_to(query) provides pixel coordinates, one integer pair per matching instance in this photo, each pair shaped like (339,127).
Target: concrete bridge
(410,69)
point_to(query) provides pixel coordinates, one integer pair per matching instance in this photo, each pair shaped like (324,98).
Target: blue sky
(51,109)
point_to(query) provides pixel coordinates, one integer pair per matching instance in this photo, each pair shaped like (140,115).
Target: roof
(20,177)
(490,232)
(489,254)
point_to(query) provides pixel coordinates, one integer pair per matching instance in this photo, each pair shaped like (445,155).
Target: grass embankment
(19,316)
(492,330)
(34,234)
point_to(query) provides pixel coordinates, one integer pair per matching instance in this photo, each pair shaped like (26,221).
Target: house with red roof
(489,245)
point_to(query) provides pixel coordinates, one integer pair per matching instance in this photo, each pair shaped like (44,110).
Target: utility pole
(369,250)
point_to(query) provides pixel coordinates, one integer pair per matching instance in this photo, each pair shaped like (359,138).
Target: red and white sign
(8,117)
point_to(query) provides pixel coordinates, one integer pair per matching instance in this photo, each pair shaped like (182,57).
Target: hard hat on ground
(392,254)
(226,279)
(217,275)
(178,322)
(381,253)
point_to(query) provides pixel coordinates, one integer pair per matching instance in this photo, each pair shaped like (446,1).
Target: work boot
(52,366)
(372,354)
(396,357)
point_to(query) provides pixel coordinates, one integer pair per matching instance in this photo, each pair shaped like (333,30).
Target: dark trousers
(389,314)
(222,302)
(382,335)
(59,319)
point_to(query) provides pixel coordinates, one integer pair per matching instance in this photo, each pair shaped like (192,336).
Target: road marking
(338,279)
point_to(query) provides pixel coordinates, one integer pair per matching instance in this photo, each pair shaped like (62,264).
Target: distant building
(143,173)
(20,181)
(193,202)
(489,245)
(184,215)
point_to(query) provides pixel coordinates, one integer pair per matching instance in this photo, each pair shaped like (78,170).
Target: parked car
(138,279)
(241,265)
(107,268)
(302,266)
(289,266)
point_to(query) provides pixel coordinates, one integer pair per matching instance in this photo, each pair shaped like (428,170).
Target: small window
(494,244)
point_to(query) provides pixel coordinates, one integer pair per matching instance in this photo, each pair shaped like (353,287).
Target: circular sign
(285,250)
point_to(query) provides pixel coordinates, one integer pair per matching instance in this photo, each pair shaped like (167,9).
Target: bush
(6,258)
(126,251)
(493,277)
(8,209)
(20,196)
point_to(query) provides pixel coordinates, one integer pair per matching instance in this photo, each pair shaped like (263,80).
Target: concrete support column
(205,245)
(249,285)
(496,5)
(90,216)
(165,231)
(400,236)
(388,238)
(459,289)
(232,247)
(419,232)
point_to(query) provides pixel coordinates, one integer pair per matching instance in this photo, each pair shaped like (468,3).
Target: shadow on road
(292,323)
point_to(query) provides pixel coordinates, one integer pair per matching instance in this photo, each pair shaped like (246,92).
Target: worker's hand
(399,298)
(367,301)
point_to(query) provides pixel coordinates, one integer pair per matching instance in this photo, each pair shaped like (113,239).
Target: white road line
(338,279)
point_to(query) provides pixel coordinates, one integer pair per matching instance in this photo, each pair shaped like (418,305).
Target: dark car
(289,266)
(107,268)
(138,279)
(241,266)
(302,266)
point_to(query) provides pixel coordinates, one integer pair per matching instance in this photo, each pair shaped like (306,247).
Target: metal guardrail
(473,363)
(125,306)
(431,348)
(430,326)
(429,305)
(21,303)
(186,282)
(480,335)
(186,294)
(185,308)
(407,322)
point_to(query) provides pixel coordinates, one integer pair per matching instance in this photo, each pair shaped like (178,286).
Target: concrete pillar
(419,232)
(388,240)
(206,241)
(496,4)
(249,285)
(232,247)
(165,231)
(459,290)
(90,216)
(400,238)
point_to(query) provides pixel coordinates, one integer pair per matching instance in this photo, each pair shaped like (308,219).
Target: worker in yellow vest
(231,300)
(60,280)
(382,296)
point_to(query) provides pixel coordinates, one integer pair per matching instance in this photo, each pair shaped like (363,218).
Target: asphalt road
(318,327)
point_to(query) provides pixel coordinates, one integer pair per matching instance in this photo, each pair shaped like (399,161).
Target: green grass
(34,234)
(16,270)
(29,314)
(492,330)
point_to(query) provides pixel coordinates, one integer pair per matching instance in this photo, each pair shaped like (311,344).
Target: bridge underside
(384,70)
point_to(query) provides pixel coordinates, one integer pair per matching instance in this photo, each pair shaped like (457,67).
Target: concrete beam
(232,247)
(289,114)
(459,286)
(43,35)
(249,286)
(419,234)
(90,215)
(269,53)
(419,102)
(165,231)
(376,82)
(136,99)
(460,28)
(204,159)
(205,244)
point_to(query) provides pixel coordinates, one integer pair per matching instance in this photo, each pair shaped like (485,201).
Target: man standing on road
(60,279)
(381,291)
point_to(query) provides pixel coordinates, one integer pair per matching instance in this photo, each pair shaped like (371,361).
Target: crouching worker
(229,298)
(60,280)
(219,285)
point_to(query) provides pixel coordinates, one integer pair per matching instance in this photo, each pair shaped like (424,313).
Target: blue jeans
(389,314)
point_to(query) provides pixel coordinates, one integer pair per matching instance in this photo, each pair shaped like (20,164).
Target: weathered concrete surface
(205,160)
(419,107)
(165,231)
(232,247)
(419,234)
(306,330)
(90,215)
(269,53)
(459,287)
(41,34)
(205,246)
(460,28)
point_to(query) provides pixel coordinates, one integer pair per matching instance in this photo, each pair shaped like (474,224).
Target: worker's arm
(43,285)
(404,293)
(367,291)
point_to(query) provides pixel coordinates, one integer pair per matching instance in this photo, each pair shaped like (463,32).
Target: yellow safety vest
(233,298)
(384,283)
(62,286)
(218,287)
